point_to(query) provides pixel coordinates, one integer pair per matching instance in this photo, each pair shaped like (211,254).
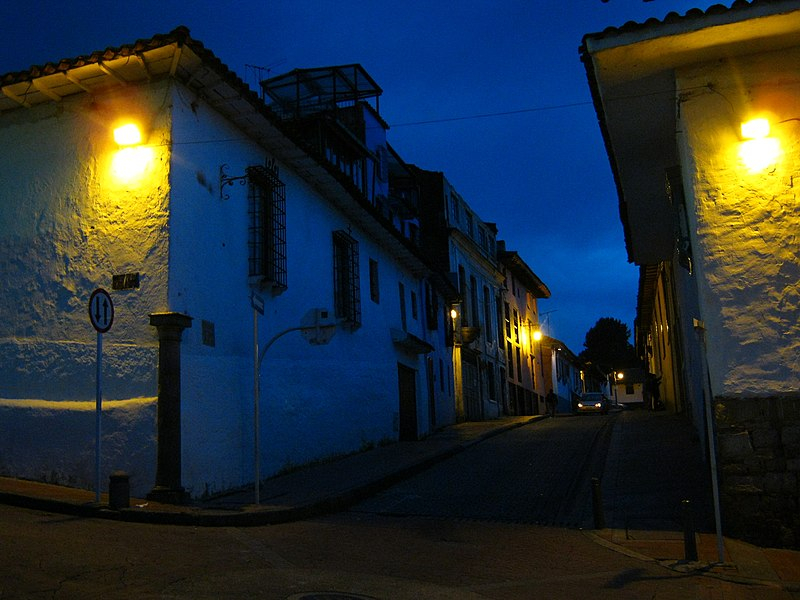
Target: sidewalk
(315,490)
(338,484)
(654,462)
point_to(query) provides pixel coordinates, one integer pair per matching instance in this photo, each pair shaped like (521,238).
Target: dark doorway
(407,379)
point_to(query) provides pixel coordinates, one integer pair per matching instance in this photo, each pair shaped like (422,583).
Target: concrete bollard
(597,505)
(689,541)
(119,490)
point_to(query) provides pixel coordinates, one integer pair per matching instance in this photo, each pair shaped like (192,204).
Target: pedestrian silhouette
(551,399)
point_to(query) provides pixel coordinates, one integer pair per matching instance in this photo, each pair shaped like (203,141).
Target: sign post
(257,303)
(101,315)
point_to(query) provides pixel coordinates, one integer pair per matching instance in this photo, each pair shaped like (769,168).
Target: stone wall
(759,460)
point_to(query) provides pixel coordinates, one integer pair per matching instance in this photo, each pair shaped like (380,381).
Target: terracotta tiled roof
(179,35)
(145,59)
(694,14)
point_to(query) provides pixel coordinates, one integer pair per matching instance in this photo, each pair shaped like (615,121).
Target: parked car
(593,402)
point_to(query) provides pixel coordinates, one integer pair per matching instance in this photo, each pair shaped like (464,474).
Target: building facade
(564,374)
(526,386)
(225,215)
(461,244)
(709,211)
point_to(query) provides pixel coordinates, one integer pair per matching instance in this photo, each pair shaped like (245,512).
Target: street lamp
(758,149)
(132,159)
(454,323)
(128,134)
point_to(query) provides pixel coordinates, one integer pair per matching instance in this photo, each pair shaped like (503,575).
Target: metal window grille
(346,284)
(402,295)
(431,307)
(267,234)
(374,283)
(487,314)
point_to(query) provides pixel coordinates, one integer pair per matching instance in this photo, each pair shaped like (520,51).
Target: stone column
(168,486)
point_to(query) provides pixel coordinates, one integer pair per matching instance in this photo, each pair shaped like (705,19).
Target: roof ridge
(674,17)
(179,34)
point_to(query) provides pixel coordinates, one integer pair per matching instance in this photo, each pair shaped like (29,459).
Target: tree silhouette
(606,345)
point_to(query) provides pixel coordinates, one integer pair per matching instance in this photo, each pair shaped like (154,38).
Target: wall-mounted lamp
(128,134)
(131,160)
(755,129)
(758,150)
(453,314)
(537,336)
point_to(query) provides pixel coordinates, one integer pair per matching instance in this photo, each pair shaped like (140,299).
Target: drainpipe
(168,488)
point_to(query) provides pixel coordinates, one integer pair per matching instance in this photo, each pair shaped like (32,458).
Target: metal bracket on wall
(225,179)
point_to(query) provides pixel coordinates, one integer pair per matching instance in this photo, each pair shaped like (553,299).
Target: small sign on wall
(125,281)
(209,335)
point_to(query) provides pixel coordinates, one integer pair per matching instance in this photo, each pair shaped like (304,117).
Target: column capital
(170,319)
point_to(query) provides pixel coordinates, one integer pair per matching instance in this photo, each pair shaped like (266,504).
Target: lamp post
(537,341)
(318,328)
(458,382)
(618,376)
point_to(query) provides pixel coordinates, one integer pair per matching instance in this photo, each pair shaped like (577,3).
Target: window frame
(374,281)
(346,281)
(266,206)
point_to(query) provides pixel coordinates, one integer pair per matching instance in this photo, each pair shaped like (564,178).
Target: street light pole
(319,332)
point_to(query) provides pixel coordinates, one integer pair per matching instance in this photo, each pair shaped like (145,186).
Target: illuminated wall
(745,222)
(67,225)
(78,209)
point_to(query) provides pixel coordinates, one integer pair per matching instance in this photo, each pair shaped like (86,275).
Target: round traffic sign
(101,310)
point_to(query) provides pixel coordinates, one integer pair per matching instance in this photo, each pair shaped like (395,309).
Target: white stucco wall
(745,224)
(66,226)
(316,400)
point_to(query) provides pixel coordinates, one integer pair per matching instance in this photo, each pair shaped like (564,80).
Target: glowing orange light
(129,164)
(128,135)
(755,129)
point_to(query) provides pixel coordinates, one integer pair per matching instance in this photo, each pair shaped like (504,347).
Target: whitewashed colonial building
(700,118)
(223,204)
(463,245)
(525,380)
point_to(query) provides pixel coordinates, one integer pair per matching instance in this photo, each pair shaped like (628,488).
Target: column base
(167,495)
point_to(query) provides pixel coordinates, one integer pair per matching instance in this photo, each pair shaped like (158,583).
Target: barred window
(487,314)
(346,285)
(374,281)
(267,234)
(431,307)
(402,295)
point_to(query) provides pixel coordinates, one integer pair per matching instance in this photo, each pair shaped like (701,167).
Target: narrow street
(537,475)
(499,520)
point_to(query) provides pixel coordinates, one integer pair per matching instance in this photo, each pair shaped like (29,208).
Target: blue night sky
(490,92)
